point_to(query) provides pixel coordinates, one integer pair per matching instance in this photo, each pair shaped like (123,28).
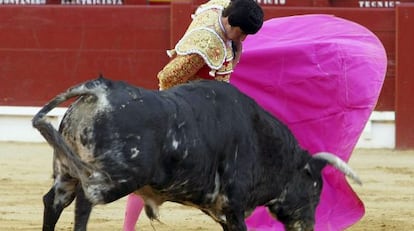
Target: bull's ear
(315,166)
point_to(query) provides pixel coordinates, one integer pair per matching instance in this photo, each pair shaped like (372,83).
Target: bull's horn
(339,164)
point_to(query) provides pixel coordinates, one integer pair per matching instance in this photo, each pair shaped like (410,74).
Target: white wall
(379,132)
(16,125)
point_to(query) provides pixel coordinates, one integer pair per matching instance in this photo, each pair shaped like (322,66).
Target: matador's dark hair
(246,14)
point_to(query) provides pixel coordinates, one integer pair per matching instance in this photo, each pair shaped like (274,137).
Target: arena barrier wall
(49,45)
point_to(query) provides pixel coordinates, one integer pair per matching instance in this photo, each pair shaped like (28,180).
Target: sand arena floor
(25,175)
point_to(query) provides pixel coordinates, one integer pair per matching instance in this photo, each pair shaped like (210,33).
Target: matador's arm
(181,69)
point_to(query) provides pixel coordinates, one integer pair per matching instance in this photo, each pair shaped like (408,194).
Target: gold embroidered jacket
(203,51)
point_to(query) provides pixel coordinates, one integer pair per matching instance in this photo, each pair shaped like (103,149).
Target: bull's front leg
(234,220)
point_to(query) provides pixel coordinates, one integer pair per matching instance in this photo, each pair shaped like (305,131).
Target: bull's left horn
(339,164)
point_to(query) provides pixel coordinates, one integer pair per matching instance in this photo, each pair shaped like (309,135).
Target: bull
(203,144)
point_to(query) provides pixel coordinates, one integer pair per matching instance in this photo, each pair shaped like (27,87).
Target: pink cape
(321,75)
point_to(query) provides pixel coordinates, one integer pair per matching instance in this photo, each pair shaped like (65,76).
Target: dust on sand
(25,176)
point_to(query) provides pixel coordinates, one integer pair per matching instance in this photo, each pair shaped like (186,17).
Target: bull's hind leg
(59,197)
(83,208)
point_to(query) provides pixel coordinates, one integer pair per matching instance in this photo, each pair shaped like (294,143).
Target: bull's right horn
(338,164)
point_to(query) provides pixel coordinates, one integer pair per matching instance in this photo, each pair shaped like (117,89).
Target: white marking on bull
(94,193)
(236,152)
(213,196)
(153,205)
(175,144)
(95,186)
(101,93)
(226,167)
(181,124)
(222,200)
(298,226)
(58,165)
(185,154)
(176,185)
(280,199)
(58,185)
(103,103)
(134,152)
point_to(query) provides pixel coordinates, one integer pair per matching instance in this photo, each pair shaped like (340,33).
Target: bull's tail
(52,136)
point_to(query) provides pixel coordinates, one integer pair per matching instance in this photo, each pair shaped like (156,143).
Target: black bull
(203,144)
